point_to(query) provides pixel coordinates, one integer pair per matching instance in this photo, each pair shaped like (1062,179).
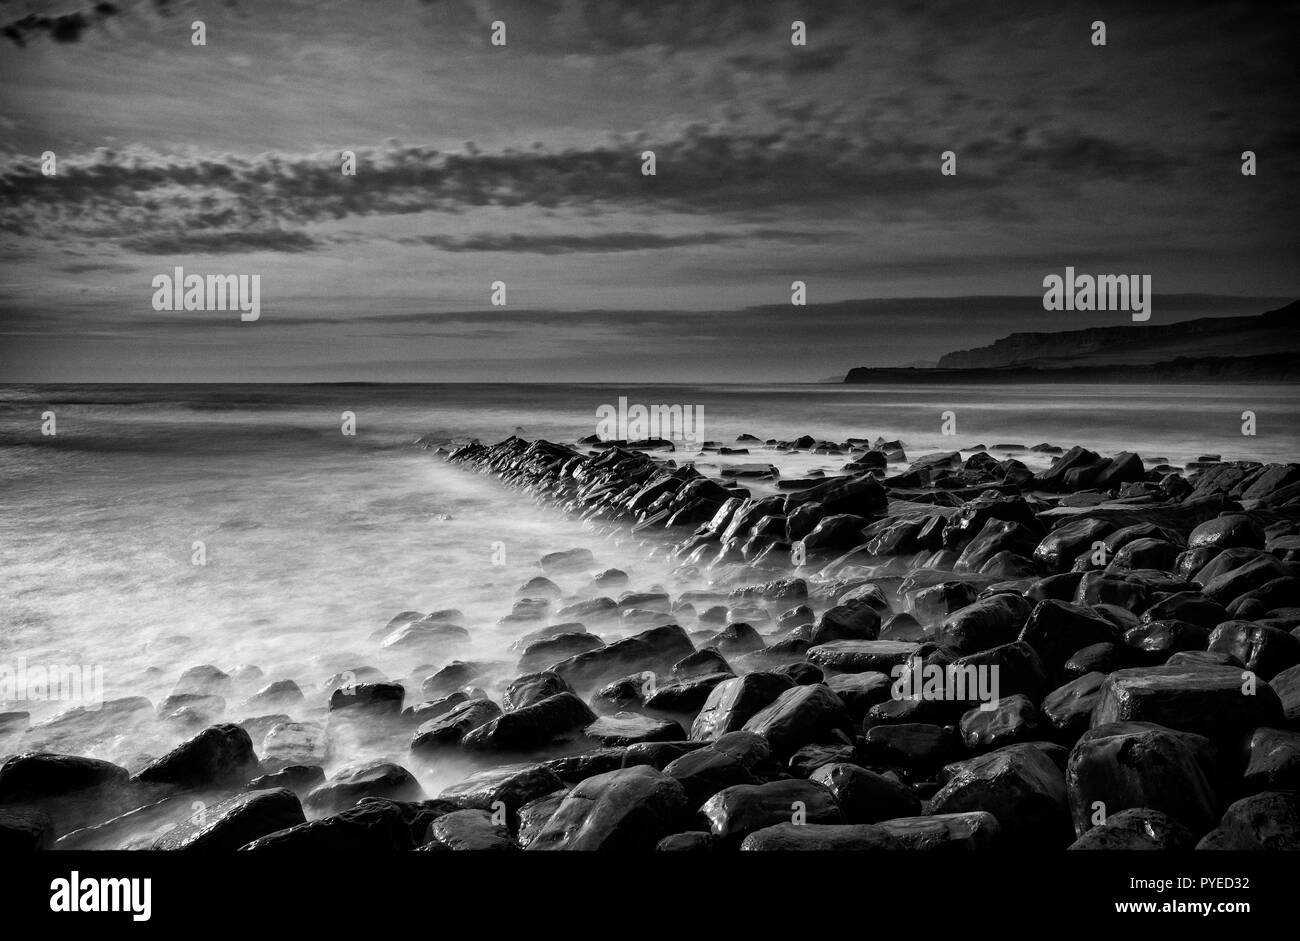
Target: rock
(1253,574)
(860,691)
(692,841)
(857,619)
(1208,701)
(1069,708)
(25,831)
(235,821)
(532,688)
(370,699)
(471,830)
(809,758)
(297,778)
(1267,821)
(1228,531)
(567,561)
(735,812)
(1020,786)
(787,837)
(36,776)
(1140,765)
(583,765)
(532,727)
(861,495)
(1287,686)
(701,663)
(686,697)
(1016,666)
(1139,828)
(627,810)
(916,747)
(737,638)
(1266,651)
(732,703)
(653,650)
(800,716)
(1059,549)
(736,758)
(539,586)
(1098,658)
(987,623)
(861,656)
(449,730)
(424,636)
(293,743)
(534,814)
(1190,606)
(219,756)
(510,787)
(865,796)
(1056,629)
(1157,641)
(372,827)
(1274,762)
(1012,719)
(973,830)
(628,728)
(356,782)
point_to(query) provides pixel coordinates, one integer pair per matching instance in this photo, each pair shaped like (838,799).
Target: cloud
(563,244)
(220,242)
(63,28)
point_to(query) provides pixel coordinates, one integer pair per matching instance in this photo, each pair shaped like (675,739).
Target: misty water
(312,540)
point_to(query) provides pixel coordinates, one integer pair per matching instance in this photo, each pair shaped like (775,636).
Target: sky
(522,163)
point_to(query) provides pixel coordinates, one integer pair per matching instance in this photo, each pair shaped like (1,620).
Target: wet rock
(735,812)
(1234,582)
(424,636)
(857,619)
(860,691)
(586,764)
(686,697)
(219,756)
(1136,764)
(1266,651)
(653,650)
(297,778)
(354,783)
(692,841)
(509,787)
(972,830)
(1059,549)
(532,727)
(235,821)
(732,703)
(370,699)
(801,716)
(789,837)
(629,728)
(1010,720)
(1139,828)
(449,730)
(701,663)
(1267,821)
(737,638)
(865,796)
(631,809)
(1056,629)
(918,748)
(25,831)
(532,688)
(1287,686)
(809,758)
(569,560)
(203,680)
(987,623)
(372,827)
(861,495)
(1274,761)
(1208,701)
(1019,785)
(1068,709)
(861,656)
(1156,641)
(1016,666)
(1228,531)
(293,743)
(468,830)
(1191,606)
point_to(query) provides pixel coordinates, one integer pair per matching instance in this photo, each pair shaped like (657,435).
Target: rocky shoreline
(963,654)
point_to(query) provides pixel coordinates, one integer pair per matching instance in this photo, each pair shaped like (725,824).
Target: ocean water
(313,540)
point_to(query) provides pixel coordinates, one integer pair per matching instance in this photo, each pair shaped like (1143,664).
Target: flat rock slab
(1210,701)
(861,656)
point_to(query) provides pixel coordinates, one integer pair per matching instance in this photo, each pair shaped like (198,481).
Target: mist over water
(315,540)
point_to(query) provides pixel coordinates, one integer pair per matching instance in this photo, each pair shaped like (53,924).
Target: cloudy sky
(522,164)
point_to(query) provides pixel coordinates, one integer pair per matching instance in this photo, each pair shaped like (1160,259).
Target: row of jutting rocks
(1166,696)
